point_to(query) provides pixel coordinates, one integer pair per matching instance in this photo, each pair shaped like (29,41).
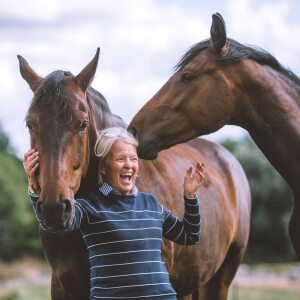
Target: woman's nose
(128,163)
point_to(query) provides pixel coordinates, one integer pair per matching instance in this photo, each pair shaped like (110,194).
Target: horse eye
(186,77)
(83,126)
(29,126)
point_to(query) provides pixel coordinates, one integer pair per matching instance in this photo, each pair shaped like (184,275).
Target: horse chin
(147,151)
(60,228)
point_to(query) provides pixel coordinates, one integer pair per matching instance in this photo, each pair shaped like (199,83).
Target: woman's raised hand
(31,165)
(193,180)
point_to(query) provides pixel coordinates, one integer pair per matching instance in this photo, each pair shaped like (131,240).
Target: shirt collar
(106,189)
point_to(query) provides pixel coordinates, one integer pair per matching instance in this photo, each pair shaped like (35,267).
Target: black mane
(238,52)
(51,91)
(51,86)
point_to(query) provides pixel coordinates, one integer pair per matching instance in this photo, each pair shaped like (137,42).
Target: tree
(271,205)
(18,227)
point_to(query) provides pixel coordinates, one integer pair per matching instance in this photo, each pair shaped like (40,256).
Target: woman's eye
(186,77)
(83,126)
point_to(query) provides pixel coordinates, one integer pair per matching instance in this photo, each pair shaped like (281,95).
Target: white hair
(106,138)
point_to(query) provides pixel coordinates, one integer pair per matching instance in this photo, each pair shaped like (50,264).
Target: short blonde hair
(106,138)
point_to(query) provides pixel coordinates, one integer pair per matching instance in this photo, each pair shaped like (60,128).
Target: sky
(140,40)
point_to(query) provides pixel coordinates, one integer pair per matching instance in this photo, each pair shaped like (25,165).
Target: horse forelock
(238,52)
(51,92)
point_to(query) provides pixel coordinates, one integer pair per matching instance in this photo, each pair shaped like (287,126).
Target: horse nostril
(67,207)
(133,131)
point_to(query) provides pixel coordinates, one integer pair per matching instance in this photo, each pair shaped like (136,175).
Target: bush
(18,227)
(271,205)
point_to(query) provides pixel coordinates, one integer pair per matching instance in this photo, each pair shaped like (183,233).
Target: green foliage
(18,227)
(271,205)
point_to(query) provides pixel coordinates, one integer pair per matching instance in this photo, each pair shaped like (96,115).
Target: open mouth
(126,176)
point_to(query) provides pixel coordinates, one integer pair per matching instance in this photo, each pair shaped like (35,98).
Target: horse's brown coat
(218,82)
(61,105)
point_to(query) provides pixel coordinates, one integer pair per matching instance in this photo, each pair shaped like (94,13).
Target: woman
(123,228)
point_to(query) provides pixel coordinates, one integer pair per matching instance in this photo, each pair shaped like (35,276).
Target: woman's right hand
(31,165)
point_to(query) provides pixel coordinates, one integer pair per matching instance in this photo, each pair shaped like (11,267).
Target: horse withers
(220,81)
(63,120)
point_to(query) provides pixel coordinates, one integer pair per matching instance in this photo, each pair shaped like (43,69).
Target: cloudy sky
(140,40)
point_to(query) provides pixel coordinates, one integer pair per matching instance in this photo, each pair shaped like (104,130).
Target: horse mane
(238,52)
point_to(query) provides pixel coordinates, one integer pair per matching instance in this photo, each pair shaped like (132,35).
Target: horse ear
(218,33)
(29,74)
(85,77)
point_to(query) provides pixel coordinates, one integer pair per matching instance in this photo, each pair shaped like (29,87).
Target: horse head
(61,128)
(194,101)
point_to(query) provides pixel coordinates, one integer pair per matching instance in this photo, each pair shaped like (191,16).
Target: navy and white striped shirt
(123,235)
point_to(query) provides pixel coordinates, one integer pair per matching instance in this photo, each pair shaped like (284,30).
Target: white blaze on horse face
(121,166)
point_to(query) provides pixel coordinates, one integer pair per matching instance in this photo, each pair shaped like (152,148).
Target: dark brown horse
(63,120)
(217,82)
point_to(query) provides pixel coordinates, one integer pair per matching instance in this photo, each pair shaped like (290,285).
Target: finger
(200,175)
(32,162)
(189,171)
(34,169)
(28,153)
(201,166)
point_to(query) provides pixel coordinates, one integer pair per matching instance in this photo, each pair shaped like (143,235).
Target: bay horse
(219,81)
(63,119)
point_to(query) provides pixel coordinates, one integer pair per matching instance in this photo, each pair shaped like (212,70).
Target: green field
(245,293)
(29,293)
(43,293)
(30,280)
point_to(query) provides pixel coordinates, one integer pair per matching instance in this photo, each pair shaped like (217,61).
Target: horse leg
(294,226)
(217,287)
(57,291)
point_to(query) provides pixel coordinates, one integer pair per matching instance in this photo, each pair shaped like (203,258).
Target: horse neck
(100,117)
(270,112)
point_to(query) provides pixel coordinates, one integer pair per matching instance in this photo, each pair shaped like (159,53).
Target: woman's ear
(103,172)
(102,169)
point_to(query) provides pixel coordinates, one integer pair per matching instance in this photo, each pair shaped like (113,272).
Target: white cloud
(140,40)
(42,11)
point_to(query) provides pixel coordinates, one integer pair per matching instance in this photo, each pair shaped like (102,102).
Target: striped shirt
(123,235)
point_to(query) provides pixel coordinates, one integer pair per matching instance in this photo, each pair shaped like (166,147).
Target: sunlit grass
(263,294)
(29,293)
(30,280)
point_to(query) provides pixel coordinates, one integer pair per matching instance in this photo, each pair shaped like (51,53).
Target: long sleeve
(187,231)
(78,217)
(34,200)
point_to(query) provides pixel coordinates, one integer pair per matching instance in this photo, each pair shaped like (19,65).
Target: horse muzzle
(55,216)
(147,150)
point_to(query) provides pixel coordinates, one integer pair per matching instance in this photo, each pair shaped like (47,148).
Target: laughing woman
(123,228)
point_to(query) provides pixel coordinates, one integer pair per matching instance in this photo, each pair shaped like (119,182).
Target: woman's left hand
(193,180)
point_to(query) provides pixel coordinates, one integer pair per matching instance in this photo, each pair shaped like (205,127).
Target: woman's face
(120,167)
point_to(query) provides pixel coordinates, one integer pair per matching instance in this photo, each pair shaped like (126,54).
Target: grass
(242,293)
(263,294)
(29,293)
(29,280)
